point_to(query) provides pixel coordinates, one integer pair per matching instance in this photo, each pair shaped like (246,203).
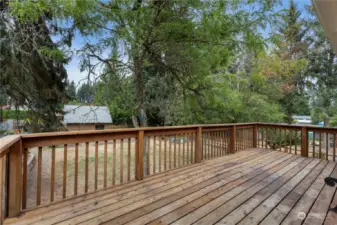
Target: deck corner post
(15,179)
(255,135)
(304,142)
(233,139)
(139,155)
(198,145)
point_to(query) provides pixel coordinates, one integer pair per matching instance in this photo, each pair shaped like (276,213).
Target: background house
(87,118)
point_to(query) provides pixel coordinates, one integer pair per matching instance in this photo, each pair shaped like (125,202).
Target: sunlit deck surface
(249,187)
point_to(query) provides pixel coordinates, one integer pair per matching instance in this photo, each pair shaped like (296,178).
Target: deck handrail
(199,142)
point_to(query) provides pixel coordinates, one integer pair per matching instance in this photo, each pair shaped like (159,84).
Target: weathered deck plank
(249,187)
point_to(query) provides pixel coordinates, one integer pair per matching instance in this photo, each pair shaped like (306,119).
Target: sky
(74,73)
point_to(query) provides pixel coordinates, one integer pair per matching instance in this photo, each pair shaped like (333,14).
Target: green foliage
(172,62)
(279,138)
(14,114)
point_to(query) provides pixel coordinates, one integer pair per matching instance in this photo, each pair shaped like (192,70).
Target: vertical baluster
(179,151)
(220,143)
(154,154)
(65,164)
(270,141)
(76,170)
(226,141)
(188,148)
(39,170)
(160,153)
(170,151)
(334,148)
(206,146)
(114,163)
(148,168)
(193,138)
(24,177)
(165,152)
(262,137)
(175,151)
(245,139)
(96,165)
(290,139)
(213,144)
(285,140)
(106,163)
(320,145)
(209,146)
(129,157)
(295,141)
(121,163)
(242,139)
(258,137)
(184,143)
(327,146)
(86,166)
(266,144)
(313,144)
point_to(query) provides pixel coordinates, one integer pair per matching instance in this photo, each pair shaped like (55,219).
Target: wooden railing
(41,169)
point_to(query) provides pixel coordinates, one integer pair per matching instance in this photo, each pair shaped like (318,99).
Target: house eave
(327,14)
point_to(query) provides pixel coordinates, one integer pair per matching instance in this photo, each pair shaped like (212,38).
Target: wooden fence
(71,164)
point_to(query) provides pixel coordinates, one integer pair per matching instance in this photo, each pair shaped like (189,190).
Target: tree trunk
(140,108)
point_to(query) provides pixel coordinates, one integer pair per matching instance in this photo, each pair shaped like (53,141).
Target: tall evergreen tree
(291,45)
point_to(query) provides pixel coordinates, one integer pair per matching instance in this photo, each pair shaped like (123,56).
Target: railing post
(233,139)
(304,142)
(15,179)
(198,145)
(139,155)
(255,135)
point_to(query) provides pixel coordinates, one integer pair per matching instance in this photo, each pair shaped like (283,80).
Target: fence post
(304,142)
(198,145)
(15,179)
(139,155)
(255,135)
(233,139)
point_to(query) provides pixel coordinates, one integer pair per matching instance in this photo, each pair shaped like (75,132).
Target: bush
(277,140)
(13,114)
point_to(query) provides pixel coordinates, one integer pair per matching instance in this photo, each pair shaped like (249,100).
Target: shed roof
(86,114)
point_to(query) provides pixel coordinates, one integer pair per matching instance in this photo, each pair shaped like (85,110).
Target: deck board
(249,187)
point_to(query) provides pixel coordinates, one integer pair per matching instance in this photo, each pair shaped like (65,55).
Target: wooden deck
(250,187)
